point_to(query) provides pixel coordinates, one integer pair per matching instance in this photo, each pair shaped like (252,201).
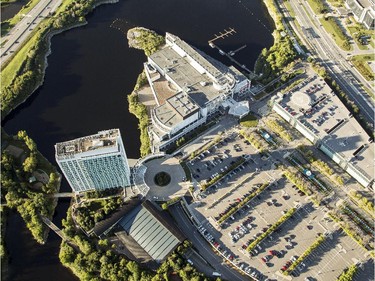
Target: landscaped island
(28,182)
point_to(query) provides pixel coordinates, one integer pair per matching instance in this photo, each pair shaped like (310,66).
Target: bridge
(54,227)
(63,194)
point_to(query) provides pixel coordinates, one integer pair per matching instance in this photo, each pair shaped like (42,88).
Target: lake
(90,72)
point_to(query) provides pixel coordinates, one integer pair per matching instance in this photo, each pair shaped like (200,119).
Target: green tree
(30,163)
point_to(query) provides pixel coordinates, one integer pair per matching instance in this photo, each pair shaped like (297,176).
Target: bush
(140,111)
(271,229)
(300,183)
(308,251)
(275,126)
(348,273)
(244,201)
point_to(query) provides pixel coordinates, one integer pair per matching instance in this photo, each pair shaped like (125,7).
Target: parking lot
(290,240)
(247,200)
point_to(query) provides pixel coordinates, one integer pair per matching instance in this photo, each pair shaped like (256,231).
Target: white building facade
(188,87)
(363,11)
(95,162)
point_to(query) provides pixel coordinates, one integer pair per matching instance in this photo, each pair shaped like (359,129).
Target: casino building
(188,87)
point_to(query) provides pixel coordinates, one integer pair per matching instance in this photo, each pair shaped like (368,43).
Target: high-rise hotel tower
(94,162)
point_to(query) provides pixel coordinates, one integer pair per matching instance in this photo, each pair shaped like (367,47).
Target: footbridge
(54,227)
(63,194)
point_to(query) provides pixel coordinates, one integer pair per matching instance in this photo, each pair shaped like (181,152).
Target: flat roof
(103,139)
(200,87)
(190,51)
(150,230)
(365,3)
(183,105)
(315,105)
(167,115)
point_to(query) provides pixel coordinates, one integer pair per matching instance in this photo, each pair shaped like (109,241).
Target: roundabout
(165,178)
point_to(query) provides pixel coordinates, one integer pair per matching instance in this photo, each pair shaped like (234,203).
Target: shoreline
(47,44)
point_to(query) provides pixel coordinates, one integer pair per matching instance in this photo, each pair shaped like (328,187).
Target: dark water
(9,11)
(90,72)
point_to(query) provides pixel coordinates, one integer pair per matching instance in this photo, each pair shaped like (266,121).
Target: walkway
(54,227)
(63,194)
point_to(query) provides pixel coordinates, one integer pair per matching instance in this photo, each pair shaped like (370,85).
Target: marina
(230,54)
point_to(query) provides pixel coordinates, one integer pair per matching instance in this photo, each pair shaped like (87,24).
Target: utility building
(94,162)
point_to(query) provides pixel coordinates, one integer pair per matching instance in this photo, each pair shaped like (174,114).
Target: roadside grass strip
(361,63)
(332,27)
(242,203)
(348,273)
(351,233)
(283,219)
(308,251)
(358,219)
(362,202)
(187,171)
(204,148)
(275,126)
(10,23)
(239,162)
(318,6)
(249,121)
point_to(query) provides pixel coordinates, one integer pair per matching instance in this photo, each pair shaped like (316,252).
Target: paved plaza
(176,187)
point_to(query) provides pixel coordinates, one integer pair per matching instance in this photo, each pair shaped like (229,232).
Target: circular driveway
(176,187)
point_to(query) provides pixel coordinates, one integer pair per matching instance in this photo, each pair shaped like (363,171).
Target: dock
(232,53)
(242,66)
(221,35)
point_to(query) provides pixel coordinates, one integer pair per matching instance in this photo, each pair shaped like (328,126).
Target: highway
(12,41)
(202,245)
(333,58)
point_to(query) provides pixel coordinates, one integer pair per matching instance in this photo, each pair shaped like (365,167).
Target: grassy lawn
(11,69)
(332,27)
(361,63)
(7,25)
(317,6)
(249,121)
(289,8)
(336,3)
(353,30)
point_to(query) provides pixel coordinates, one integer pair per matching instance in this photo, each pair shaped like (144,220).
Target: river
(90,72)
(9,10)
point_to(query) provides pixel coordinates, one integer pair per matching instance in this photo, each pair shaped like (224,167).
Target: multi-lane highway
(333,58)
(12,41)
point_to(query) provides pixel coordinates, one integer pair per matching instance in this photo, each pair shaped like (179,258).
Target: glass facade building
(94,162)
